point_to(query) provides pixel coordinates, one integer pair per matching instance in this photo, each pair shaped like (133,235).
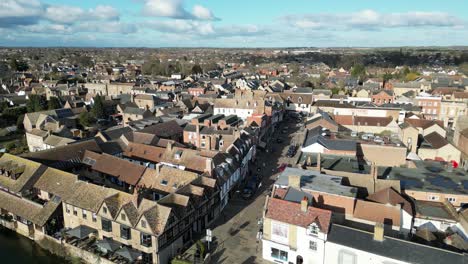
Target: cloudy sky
(235,23)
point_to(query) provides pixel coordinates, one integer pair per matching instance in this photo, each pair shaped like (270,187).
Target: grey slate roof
(314,136)
(315,181)
(393,248)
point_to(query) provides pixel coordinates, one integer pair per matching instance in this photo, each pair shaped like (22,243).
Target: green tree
(3,105)
(13,113)
(411,76)
(84,61)
(20,122)
(307,84)
(86,119)
(387,77)
(10,146)
(35,103)
(53,103)
(197,69)
(358,71)
(19,65)
(98,107)
(335,90)
(464,68)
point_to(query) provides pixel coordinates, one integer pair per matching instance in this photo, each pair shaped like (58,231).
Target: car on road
(291,151)
(250,188)
(282,167)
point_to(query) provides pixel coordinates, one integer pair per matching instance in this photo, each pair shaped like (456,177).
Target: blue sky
(241,23)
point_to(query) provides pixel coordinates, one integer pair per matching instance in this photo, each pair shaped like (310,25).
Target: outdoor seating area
(83,237)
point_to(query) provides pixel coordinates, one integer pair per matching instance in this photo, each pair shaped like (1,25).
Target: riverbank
(15,248)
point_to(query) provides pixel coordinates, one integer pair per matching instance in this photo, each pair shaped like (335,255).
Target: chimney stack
(304,204)
(158,168)
(379,232)
(319,162)
(295,181)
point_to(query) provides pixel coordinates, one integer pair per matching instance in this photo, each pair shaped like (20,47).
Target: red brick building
(383,97)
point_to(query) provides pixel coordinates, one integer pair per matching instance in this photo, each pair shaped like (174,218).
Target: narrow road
(235,231)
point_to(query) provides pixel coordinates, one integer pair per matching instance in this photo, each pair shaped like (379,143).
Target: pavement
(235,231)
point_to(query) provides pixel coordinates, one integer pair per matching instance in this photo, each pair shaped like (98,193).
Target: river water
(16,249)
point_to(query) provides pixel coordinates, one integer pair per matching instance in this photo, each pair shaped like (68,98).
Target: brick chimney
(379,232)
(209,165)
(304,204)
(295,181)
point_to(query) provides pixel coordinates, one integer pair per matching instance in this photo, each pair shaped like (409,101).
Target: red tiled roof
(125,171)
(390,196)
(436,140)
(423,123)
(378,213)
(291,213)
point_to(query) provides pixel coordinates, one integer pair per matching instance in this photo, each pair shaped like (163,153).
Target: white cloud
(175,9)
(19,12)
(72,14)
(165,8)
(203,13)
(372,20)
(103,12)
(180,26)
(64,14)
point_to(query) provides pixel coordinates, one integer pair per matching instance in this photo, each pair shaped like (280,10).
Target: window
(143,223)
(75,211)
(125,232)
(164,182)
(123,217)
(313,229)
(313,245)
(67,208)
(435,103)
(84,214)
(106,225)
(345,257)
(145,240)
(104,209)
(451,199)
(94,217)
(279,254)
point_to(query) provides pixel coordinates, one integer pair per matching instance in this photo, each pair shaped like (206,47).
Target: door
(299,260)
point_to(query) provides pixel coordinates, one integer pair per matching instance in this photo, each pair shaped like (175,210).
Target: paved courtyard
(235,232)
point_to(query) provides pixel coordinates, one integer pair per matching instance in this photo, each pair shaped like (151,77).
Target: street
(235,231)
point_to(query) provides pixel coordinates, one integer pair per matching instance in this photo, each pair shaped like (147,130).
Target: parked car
(282,167)
(378,140)
(250,188)
(291,151)
(354,133)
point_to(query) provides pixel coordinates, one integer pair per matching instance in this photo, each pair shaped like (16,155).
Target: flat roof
(429,177)
(315,181)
